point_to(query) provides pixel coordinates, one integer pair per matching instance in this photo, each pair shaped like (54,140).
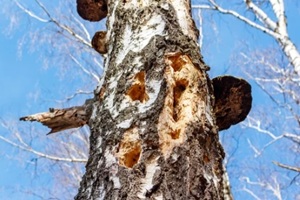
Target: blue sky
(19,77)
(27,87)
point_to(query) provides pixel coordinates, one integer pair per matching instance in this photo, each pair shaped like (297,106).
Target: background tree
(277,76)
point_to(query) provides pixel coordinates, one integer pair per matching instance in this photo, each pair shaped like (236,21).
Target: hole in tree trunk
(130,148)
(132,157)
(138,90)
(177,92)
(175,134)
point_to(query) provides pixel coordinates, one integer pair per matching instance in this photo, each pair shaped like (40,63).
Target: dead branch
(60,119)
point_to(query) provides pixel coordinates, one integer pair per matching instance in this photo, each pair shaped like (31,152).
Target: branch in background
(274,187)
(296,169)
(218,8)
(280,33)
(66,28)
(261,15)
(292,137)
(56,22)
(29,149)
(200,40)
(85,70)
(279,11)
(256,124)
(78,92)
(275,78)
(250,192)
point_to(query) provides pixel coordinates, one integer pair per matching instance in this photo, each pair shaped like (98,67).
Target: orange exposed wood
(138,90)
(181,105)
(129,148)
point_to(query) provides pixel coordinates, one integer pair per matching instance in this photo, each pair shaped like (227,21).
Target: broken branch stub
(92,10)
(233,100)
(60,119)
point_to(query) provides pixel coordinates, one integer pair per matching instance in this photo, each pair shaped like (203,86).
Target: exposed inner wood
(181,100)
(138,90)
(130,148)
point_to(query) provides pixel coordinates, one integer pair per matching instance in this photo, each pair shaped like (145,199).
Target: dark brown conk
(92,10)
(233,100)
(99,42)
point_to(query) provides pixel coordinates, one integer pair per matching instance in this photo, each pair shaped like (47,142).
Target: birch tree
(276,71)
(154,120)
(276,28)
(285,81)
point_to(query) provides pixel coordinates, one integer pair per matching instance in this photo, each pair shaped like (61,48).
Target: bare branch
(251,193)
(78,92)
(293,137)
(274,187)
(261,15)
(93,75)
(216,7)
(29,149)
(30,13)
(256,151)
(278,8)
(256,124)
(83,28)
(66,28)
(56,22)
(279,33)
(296,169)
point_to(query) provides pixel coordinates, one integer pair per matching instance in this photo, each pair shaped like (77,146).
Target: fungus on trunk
(92,10)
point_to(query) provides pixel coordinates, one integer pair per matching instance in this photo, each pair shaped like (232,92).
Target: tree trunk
(153,132)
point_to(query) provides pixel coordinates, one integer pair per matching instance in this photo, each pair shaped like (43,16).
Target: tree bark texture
(153,132)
